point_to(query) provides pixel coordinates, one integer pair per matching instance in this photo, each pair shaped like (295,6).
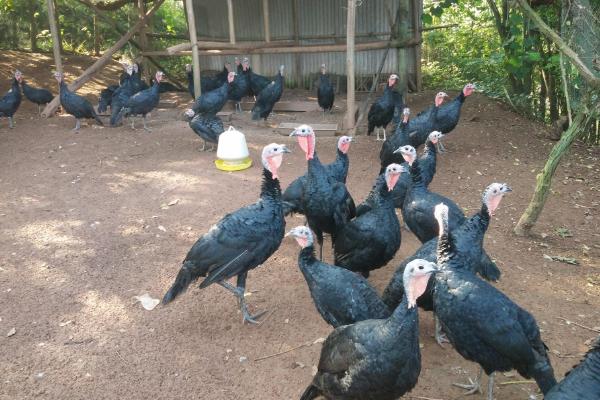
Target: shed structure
(303,34)
(383,35)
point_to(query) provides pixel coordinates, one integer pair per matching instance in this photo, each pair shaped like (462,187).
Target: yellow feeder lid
(233,166)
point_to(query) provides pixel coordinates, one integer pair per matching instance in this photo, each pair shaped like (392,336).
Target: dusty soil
(86,226)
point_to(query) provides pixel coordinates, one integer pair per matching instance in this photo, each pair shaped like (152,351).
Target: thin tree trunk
(544,178)
(96,36)
(543,95)
(102,61)
(553,96)
(33,26)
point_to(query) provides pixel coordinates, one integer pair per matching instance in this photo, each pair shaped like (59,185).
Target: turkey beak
(284,149)
(507,189)
(398,150)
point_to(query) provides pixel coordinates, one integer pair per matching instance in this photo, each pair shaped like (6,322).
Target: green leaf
(427,19)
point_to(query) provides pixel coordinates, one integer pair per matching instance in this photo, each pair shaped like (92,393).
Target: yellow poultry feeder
(232,151)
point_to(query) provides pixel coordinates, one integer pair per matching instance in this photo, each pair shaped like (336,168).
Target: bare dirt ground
(85,226)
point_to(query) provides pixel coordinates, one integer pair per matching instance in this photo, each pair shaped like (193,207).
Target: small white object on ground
(147,302)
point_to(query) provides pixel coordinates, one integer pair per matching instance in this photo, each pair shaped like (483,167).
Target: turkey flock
(373,351)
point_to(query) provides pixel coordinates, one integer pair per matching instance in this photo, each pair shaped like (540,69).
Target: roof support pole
(191,18)
(231,21)
(55,38)
(267,24)
(349,119)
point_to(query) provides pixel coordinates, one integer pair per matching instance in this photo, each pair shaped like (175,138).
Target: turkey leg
(11,122)
(77,125)
(239,293)
(473,386)
(145,126)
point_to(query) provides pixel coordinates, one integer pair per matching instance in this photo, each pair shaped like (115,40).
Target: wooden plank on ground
(281,106)
(316,127)
(225,115)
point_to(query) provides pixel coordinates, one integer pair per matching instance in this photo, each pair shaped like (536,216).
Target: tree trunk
(60,43)
(553,95)
(544,178)
(543,95)
(96,36)
(33,26)
(14,37)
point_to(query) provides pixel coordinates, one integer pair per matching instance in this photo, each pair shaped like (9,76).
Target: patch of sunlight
(104,311)
(131,230)
(161,179)
(53,232)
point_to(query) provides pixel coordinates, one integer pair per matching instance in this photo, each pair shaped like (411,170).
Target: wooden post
(351,106)
(55,37)
(231,21)
(417,8)
(194,39)
(102,61)
(143,40)
(296,31)
(266,22)
(402,34)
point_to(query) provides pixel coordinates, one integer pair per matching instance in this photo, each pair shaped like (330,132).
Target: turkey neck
(15,86)
(429,150)
(306,259)
(270,189)
(342,159)
(446,251)
(481,220)
(415,174)
(315,168)
(395,325)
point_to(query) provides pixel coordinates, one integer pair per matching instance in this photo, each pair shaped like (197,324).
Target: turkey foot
(440,336)
(146,127)
(11,122)
(239,293)
(472,387)
(77,126)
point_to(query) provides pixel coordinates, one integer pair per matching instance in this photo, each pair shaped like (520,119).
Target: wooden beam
(113,24)
(205,45)
(194,41)
(269,49)
(143,40)
(55,37)
(266,20)
(102,61)
(231,21)
(351,106)
(416,20)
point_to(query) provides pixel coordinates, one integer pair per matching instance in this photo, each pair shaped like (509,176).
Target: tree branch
(497,18)
(116,27)
(564,48)
(115,5)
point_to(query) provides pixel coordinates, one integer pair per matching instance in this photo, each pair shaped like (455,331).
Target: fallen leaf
(11,332)
(65,323)
(162,228)
(173,202)
(147,302)
(319,340)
